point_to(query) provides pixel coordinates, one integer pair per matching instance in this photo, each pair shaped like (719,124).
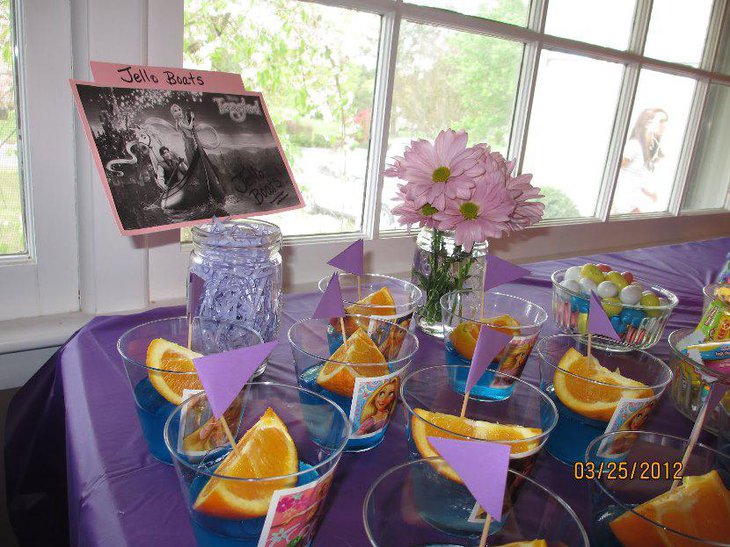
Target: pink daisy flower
(408,213)
(493,163)
(527,212)
(485,214)
(438,171)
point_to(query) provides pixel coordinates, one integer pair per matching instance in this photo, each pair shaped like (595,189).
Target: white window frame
(392,250)
(44,280)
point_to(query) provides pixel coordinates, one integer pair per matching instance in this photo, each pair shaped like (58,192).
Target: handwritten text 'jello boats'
(142,75)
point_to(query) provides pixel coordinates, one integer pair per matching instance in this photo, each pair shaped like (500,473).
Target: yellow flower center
(469,210)
(441,174)
(428,210)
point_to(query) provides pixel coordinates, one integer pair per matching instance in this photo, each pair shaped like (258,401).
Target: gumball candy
(587,285)
(570,284)
(579,304)
(638,285)
(628,276)
(630,295)
(605,268)
(617,279)
(632,316)
(606,289)
(592,272)
(612,306)
(648,298)
(572,273)
(618,325)
(583,323)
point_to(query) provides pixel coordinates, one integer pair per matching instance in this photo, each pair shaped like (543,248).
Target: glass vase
(440,266)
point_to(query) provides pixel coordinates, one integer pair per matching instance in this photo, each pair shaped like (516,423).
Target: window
(316,65)
(557,85)
(12,204)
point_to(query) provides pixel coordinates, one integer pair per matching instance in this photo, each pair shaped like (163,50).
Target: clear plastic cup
(690,385)
(208,336)
(647,467)
(406,297)
(627,407)
(463,314)
(367,393)
(239,511)
(412,504)
(430,389)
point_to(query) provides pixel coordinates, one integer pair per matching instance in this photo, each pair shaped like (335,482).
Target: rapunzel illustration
(378,408)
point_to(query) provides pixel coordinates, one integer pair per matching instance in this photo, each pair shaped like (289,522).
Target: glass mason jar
(440,266)
(236,274)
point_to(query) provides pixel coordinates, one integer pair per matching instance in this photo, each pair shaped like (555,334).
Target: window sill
(40,332)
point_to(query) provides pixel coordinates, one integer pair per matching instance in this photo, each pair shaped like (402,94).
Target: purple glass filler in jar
(236,274)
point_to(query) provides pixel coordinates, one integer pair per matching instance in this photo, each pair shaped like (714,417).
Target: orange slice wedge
(265,450)
(597,401)
(339,377)
(422,428)
(165,355)
(699,507)
(464,336)
(380,303)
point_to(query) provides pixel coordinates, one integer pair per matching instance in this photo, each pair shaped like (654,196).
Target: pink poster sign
(160,77)
(171,157)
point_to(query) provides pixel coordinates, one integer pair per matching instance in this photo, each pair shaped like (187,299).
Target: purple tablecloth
(72,431)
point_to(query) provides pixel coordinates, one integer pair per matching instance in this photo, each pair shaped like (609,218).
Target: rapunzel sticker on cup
(511,360)
(199,431)
(294,513)
(630,415)
(373,403)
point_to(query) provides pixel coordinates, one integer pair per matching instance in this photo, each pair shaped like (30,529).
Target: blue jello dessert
(153,410)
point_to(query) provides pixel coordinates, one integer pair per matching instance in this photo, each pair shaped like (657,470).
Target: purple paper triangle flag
(330,305)
(482,465)
(223,375)
(489,343)
(498,272)
(351,259)
(598,321)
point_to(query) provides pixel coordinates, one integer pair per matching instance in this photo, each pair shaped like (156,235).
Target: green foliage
(558,204)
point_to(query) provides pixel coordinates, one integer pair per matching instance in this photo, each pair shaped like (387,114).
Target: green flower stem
(448,273)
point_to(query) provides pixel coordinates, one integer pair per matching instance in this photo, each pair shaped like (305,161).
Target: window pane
(315,66)
(513,12)
(651,153)
(570,129)
(12,229)
(677,31)
(722,62)
(709,177)
(449,79)
(603,22)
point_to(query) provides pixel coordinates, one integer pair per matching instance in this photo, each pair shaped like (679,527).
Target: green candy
(648,298)
(583,323)
(612,305)
(617,279)
(592,272)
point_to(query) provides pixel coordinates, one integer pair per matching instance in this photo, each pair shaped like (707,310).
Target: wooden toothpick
(590,344)
(359,289)
(464,403)
(228,433)
(485,532)
(344,333)
(694,436)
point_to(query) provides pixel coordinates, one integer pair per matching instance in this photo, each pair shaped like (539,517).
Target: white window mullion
(624,107)
(380,126)
(679,188)
(526,88)
(699,103)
